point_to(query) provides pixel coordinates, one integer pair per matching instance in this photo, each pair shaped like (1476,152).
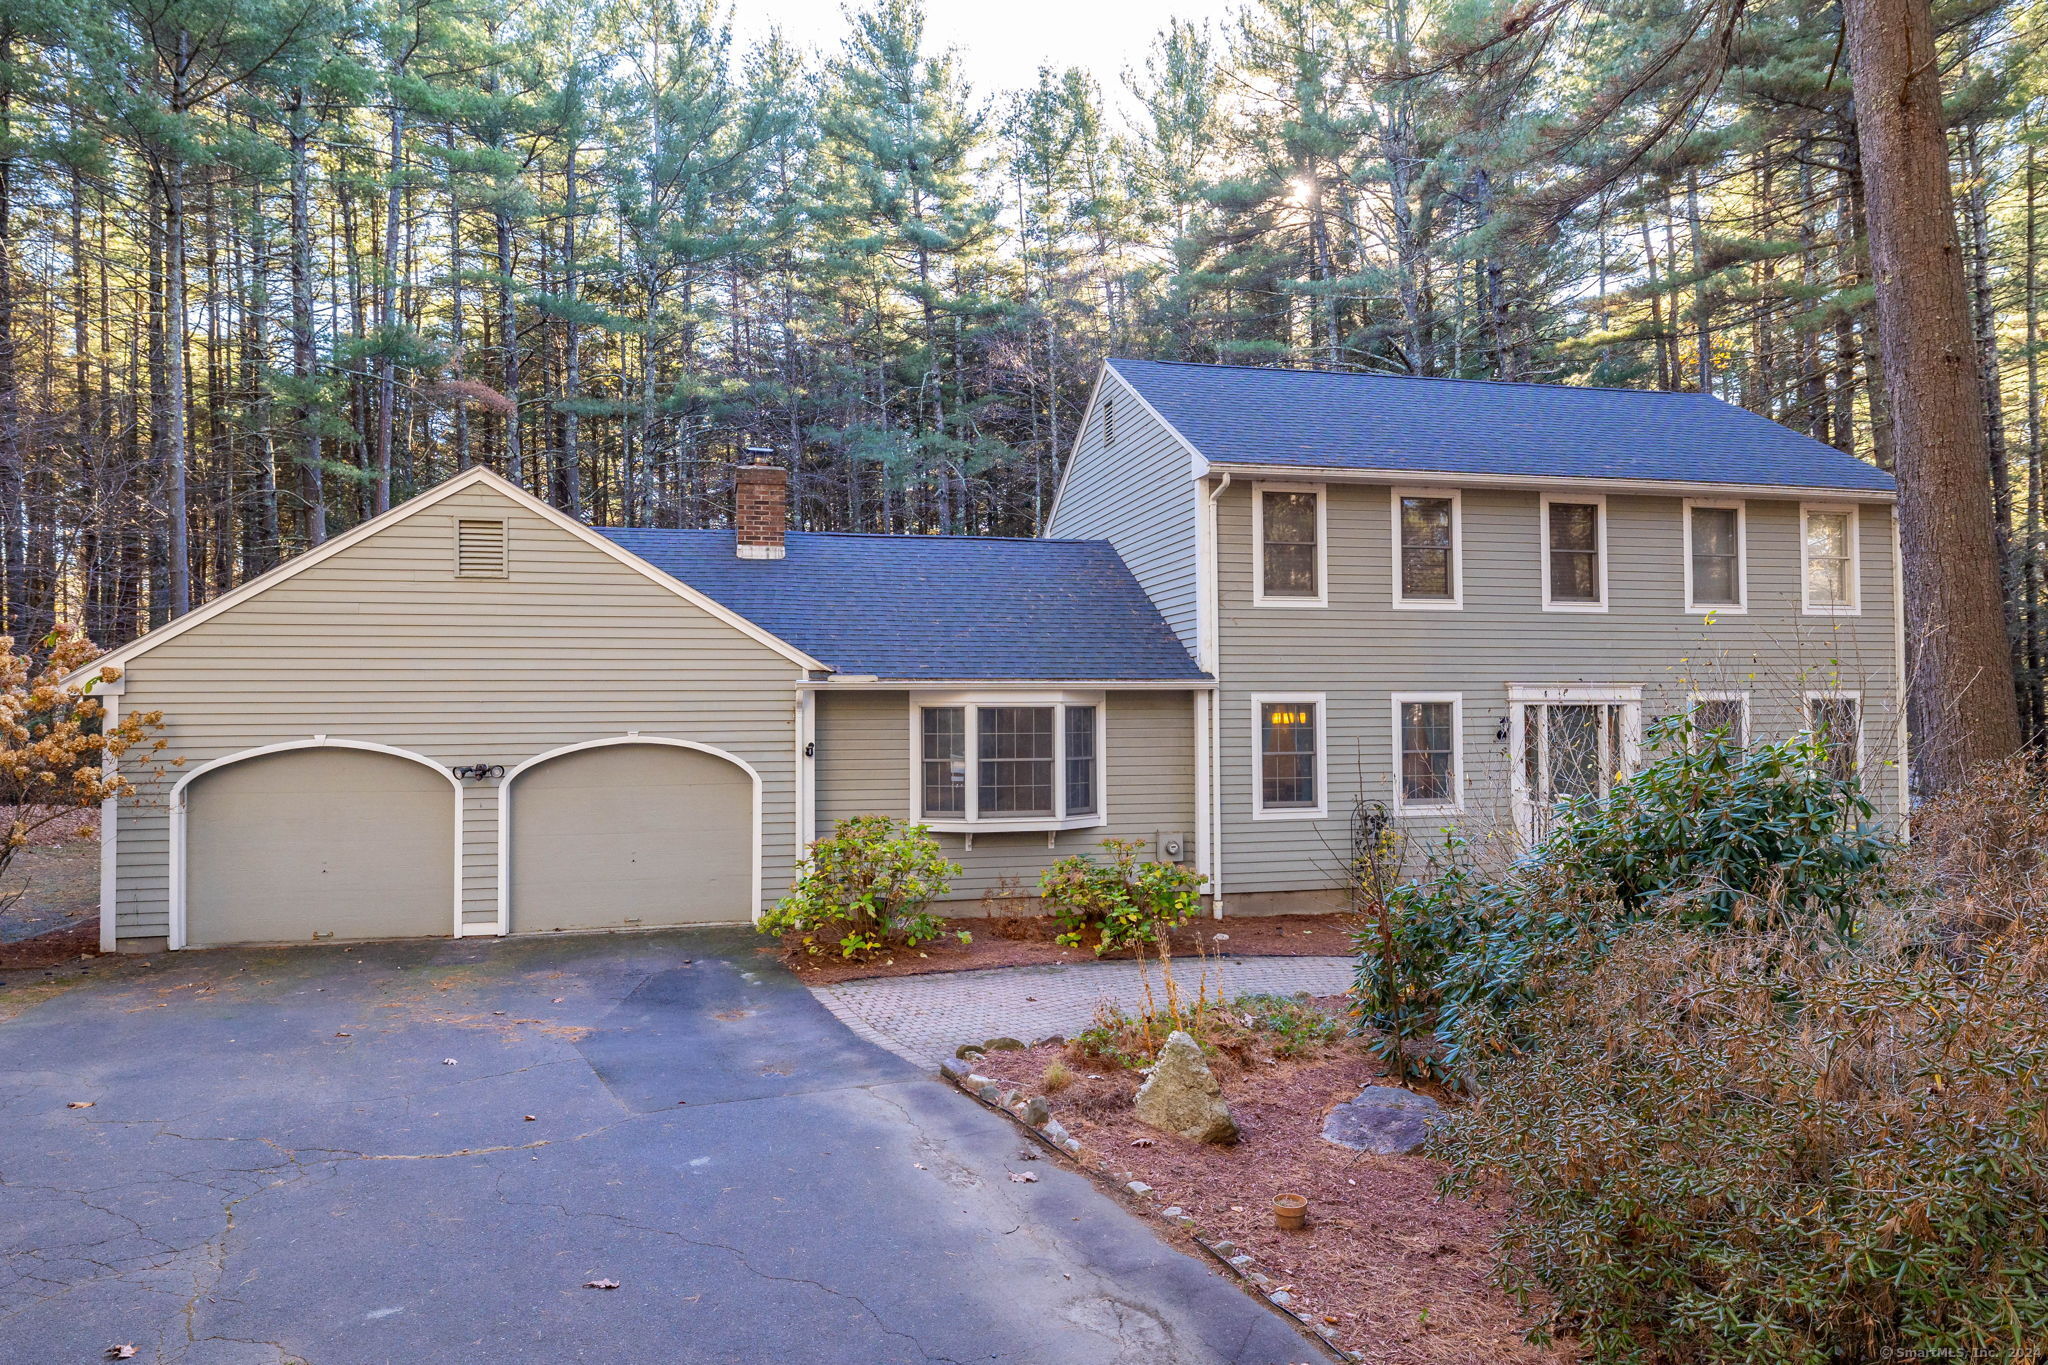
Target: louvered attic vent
(480,548)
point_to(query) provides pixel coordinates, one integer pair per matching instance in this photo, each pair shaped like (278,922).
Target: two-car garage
(335,839)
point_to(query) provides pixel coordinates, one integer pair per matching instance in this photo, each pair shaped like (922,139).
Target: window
(1427,729)
(1720,713)
(1426,549)
(1575,554)
(1290,757)
(1290,537)
(1716,577)
(1569,741)
(1024,762)
(1836,720)
(1828,554)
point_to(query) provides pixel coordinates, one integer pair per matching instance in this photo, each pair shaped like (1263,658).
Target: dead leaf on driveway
(600,1284)
(1023,1177)
(447,1061)
(122,1352)
(80,1104)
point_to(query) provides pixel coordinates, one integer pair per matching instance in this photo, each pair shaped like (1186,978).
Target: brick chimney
(761,506)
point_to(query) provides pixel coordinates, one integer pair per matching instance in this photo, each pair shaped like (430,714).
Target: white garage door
(630,835)
(319,843)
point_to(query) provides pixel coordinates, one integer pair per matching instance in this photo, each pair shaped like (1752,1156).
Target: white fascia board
(1531,482)
(469,478)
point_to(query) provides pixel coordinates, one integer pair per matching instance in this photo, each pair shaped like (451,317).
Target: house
(1264,598)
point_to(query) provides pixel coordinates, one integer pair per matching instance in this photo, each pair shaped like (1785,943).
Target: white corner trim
(1321,809)
(1740,605)
(1456,601)
(1401,804)
(637,737)
(1260,598)
(110,819)
(1854,606)
(468,479)
(177,807)
(1598,500)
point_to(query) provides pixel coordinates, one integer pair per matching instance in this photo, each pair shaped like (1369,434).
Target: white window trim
(1322,596)
(1456,805)
(1693,699)
(1521,696)
(1598,500)
(1854,606)
(1321,809)
(1836,694)
(1741,603)
(1456,601)
(972,822)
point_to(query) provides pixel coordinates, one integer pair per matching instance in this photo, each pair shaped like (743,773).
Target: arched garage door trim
(177,935)
(512,777)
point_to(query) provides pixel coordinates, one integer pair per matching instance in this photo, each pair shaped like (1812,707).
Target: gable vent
(1109,419)
(479,548)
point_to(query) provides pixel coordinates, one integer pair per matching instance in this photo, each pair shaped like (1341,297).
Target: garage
(632,833)
(323,842)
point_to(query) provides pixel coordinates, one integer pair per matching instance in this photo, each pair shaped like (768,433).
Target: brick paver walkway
(923,1018)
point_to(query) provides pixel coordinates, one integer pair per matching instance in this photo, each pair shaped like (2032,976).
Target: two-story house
(1265,598)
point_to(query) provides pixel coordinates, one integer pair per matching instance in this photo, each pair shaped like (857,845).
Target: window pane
(1835,722)
(1015,752)
(1828,576)
(1574,552)
(1289,552)
(1827,534)
(1428,747)
(1287,762)
(1574,734)
(1080,760)
(1715,576)
(1719,716)
(944,758)
(1426,547)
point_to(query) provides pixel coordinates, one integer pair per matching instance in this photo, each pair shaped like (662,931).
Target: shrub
(1124,902)
(1703,828)
(1773,1142)
(863,890)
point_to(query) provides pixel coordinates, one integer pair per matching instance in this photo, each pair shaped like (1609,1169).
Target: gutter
(1539,482)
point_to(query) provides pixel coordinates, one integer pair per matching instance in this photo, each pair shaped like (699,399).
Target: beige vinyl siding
(1361,651)
(1140,496)
(383,642)
(863,768)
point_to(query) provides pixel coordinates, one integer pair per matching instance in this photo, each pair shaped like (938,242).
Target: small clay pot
(1290,1212)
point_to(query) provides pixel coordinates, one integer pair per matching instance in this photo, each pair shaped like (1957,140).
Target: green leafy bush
(864,890)
(1702,828)
(1124,902)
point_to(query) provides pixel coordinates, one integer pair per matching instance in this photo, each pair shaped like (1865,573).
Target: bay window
(1003,762)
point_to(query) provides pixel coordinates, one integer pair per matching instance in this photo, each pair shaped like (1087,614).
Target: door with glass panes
(1569,742)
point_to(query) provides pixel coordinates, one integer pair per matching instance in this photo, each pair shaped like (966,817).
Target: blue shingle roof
(1314,419)
(936,607)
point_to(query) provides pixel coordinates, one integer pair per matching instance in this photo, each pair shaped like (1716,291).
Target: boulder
(1180,1094)
(1383,1119)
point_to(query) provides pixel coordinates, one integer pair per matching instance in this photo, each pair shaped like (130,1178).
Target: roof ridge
(1425,378)
(864,535)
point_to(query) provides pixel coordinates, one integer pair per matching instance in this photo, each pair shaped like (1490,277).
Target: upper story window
(1028,762)
(1829,556)
(1290,757)
(1574,553)
(1427,729)
(1427,549)
(1290,535)
(1716,578)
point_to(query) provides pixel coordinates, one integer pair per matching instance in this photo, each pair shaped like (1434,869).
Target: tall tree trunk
(1961,697)
(312,471)
(572,359)
(177,453)
(11,463)
(387,305)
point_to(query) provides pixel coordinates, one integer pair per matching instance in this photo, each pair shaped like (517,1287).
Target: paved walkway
(923,1018)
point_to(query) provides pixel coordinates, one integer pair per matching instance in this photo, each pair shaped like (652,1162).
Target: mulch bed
(1027,941)
(53,917)
(1403,1276)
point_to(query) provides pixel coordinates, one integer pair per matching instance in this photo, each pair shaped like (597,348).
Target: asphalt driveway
(324,1155)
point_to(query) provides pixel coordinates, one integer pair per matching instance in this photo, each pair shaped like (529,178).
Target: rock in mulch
(1383,1119)
(1180,1094)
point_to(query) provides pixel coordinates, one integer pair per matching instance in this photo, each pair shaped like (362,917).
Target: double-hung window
(1427,538)
(1574,552)
(1715,575)
(1722,716)
(1829,560)
(1290,751)
(1290,533)
(1428,752)
(1025,762)
(1836,720)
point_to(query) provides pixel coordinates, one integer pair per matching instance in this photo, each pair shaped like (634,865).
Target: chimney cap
(761,454)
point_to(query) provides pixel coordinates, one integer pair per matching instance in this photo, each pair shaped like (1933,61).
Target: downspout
(1211,664)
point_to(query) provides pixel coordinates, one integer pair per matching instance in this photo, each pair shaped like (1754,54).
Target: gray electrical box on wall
(1173,848)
